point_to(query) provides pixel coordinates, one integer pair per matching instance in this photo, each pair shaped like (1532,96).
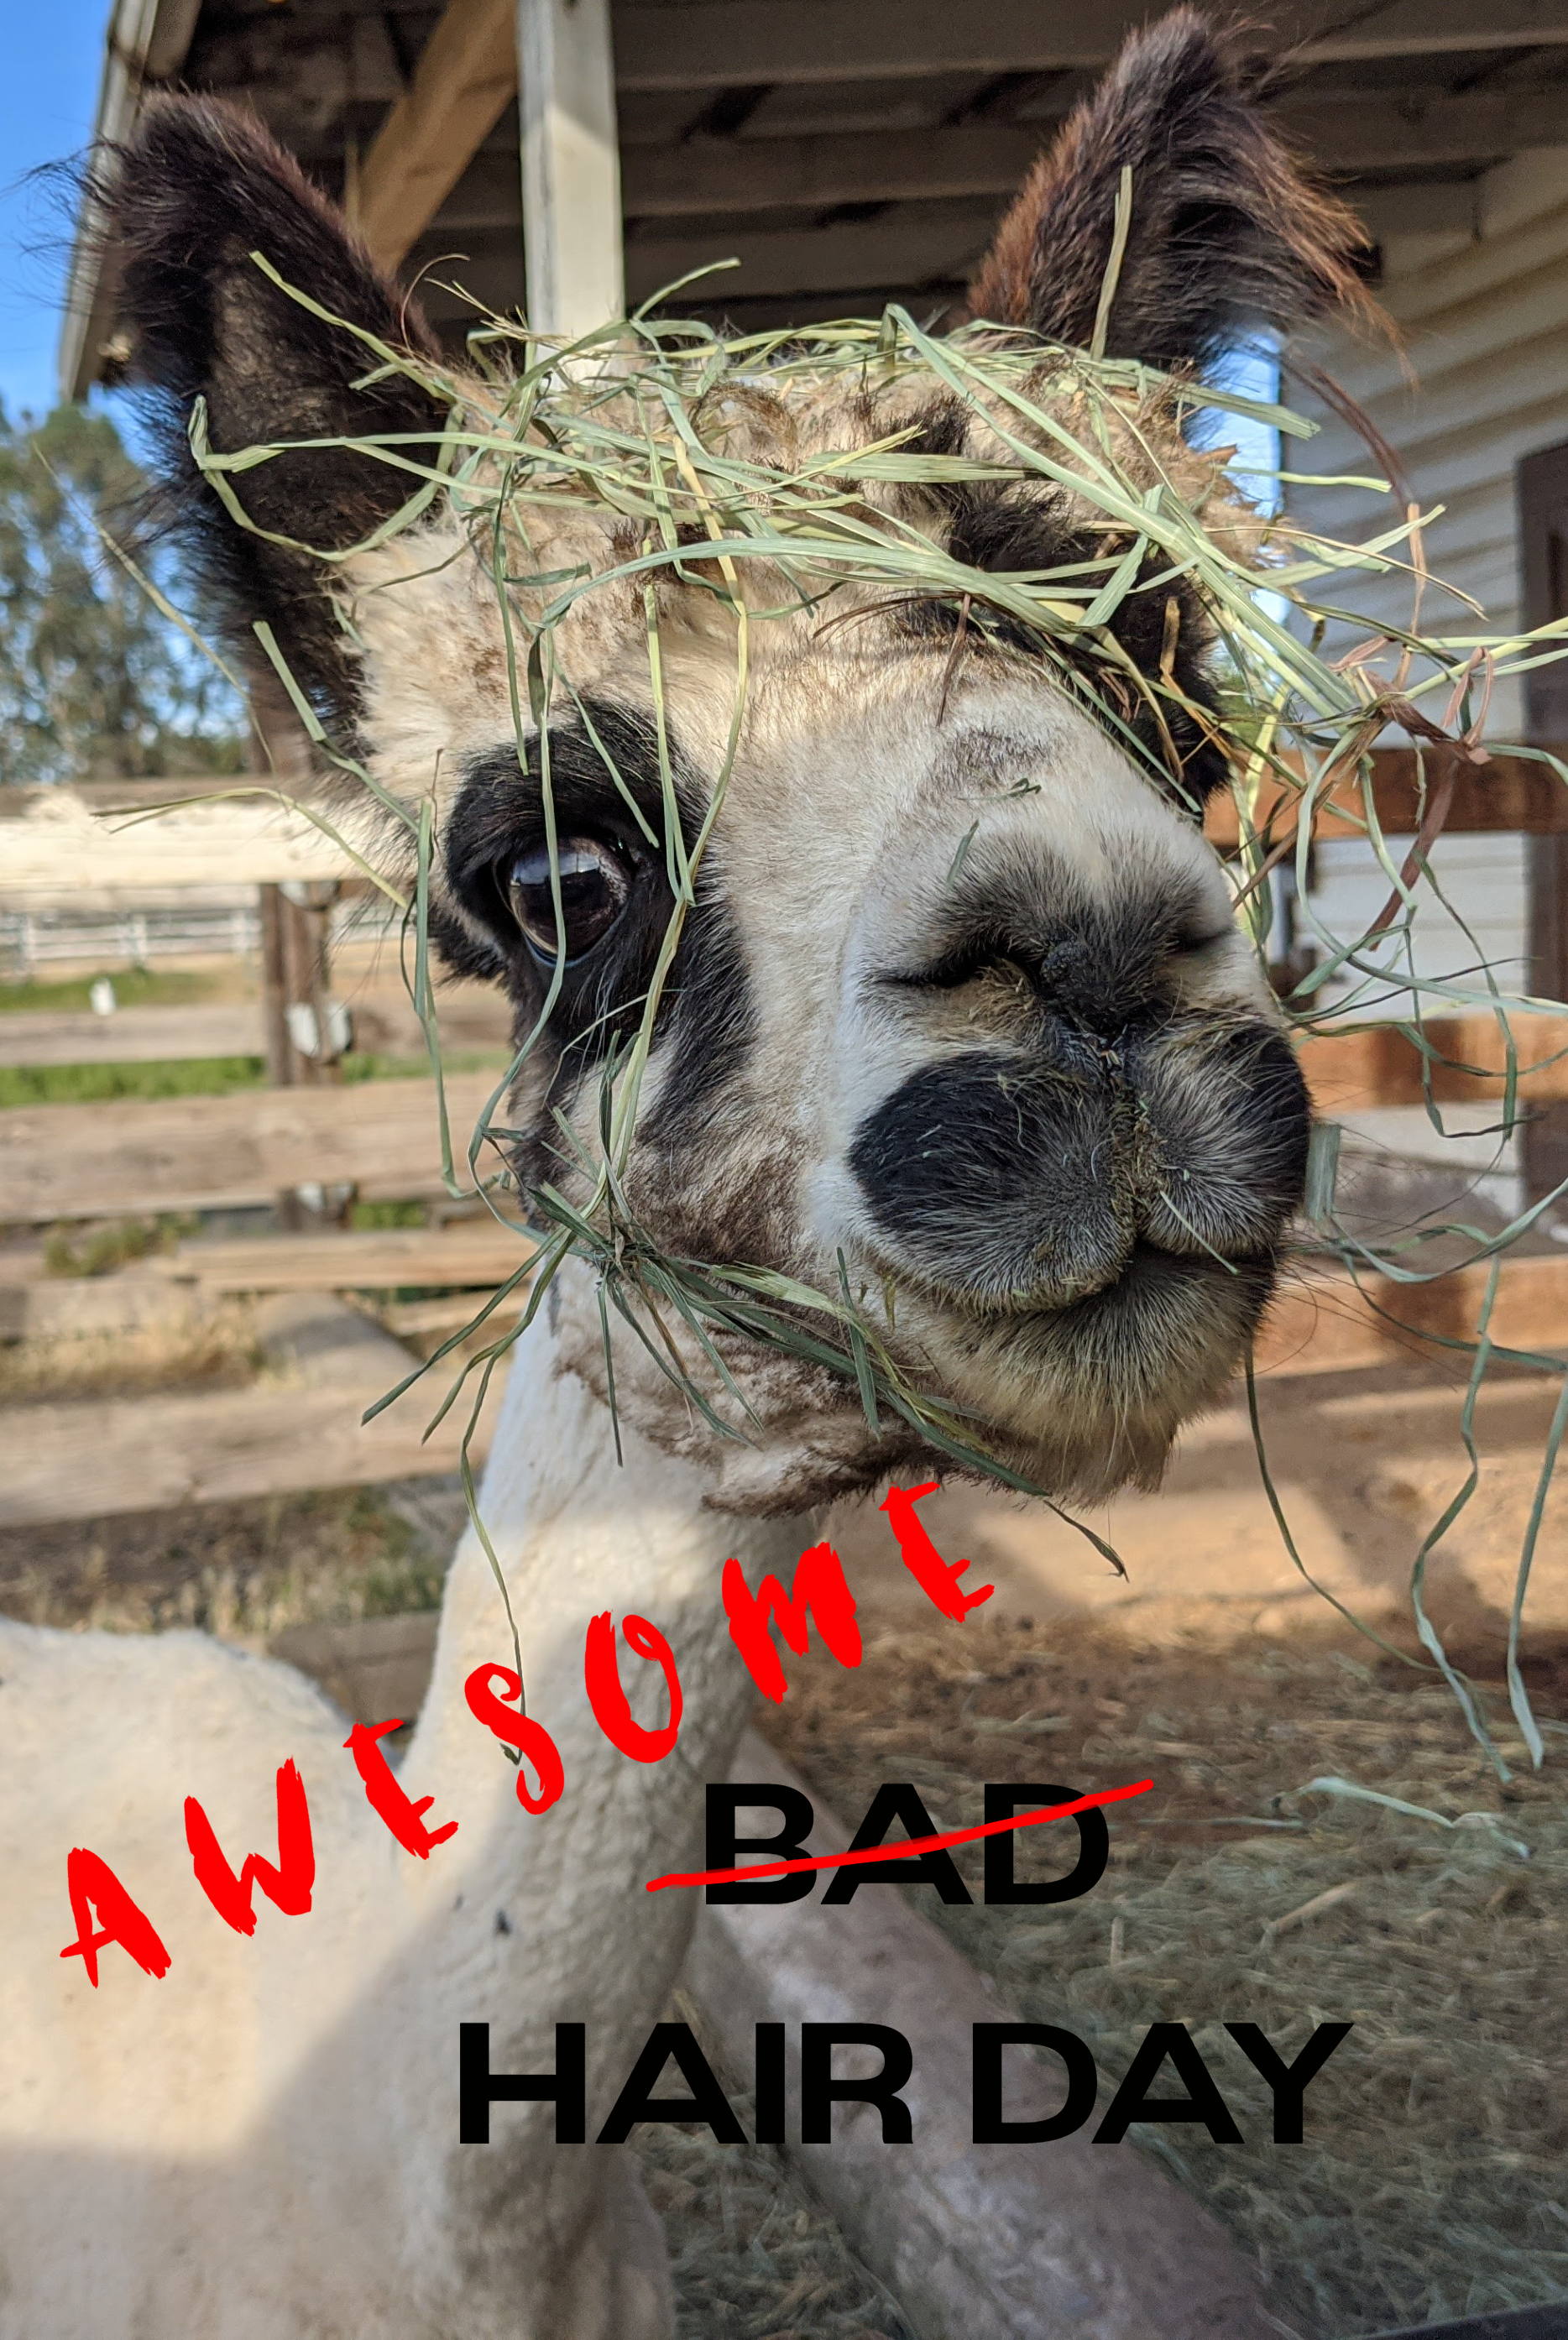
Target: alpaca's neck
(553,1921)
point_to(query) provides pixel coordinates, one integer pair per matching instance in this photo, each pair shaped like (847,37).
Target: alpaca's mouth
(1099,1387)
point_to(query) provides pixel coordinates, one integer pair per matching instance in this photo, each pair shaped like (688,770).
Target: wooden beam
(1373,134)
(479,1253)
(570,165)
(475,1253)
(135,1454)
(1509,793)
(463,83)
(101,1160)
(131,1036)
(937,244)
(733,176)
(1372,1066)
(1440,207)
(1320,1324)
(727,44)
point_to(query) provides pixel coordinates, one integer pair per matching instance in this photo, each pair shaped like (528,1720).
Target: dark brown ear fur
(1228,234)
(198,189)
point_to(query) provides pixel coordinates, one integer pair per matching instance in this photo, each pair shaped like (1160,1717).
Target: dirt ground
(1431,2179)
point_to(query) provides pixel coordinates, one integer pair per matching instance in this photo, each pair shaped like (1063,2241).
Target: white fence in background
(34,940)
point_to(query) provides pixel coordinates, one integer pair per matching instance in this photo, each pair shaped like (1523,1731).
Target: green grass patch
(378,1218)
(134,987)
(372,1068)
(97,1084)
(23,1085)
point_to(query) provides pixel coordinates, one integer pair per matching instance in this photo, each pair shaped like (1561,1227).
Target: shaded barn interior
(846,154)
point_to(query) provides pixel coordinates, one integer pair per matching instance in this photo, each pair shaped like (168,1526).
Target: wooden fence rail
(94,1160)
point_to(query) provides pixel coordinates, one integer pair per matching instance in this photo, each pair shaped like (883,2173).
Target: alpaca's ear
(1226,231)
(198,191)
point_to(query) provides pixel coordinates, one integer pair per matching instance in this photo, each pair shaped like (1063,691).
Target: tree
(94,679)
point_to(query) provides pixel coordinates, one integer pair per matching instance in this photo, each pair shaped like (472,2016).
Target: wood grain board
(471,1015)
(92,1161)
(1320,1324)
(1509,792)
(131,1036)
(91,1460)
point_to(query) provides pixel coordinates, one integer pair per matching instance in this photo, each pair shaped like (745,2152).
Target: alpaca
(976,1084)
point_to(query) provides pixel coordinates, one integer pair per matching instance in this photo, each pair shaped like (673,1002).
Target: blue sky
(48,94)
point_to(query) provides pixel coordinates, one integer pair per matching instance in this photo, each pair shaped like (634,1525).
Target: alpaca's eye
(595,882)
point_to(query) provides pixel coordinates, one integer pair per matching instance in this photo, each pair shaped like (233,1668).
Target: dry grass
(1433,2180)
(245,1571)
(212,1352)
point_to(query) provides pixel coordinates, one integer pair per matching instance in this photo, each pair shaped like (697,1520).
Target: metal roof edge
(144,43)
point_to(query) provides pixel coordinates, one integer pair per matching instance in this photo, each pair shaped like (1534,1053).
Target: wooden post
(570,164)
(1543,487)
(300,1045)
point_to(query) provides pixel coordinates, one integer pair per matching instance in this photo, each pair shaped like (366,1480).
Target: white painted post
(570,164)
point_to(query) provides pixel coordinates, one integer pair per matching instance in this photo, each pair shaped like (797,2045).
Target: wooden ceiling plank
(726,43)
(463,83)
(920,247)
(735,176)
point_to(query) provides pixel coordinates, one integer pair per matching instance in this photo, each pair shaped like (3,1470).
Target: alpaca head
(960,1021)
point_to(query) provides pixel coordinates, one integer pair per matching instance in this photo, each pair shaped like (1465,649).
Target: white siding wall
(1484,321)
(1482,877)
(1481,379)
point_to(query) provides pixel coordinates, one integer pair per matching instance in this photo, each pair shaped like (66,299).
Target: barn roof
(847,151)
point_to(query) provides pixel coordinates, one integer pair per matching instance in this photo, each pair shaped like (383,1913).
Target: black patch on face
(991,1174)
(1032,1181)
(705,1022)
(1004,528)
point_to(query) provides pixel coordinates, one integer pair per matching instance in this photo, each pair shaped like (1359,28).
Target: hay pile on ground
(245,1571)
(1433,2180)
(753,2253)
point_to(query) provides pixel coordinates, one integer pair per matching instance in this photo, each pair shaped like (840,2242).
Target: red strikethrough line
(897,1850)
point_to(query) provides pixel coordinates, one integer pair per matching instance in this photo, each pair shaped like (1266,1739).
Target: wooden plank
(466,79)
(1375,1067)
(474,1251)
(95,1161)
(59,844)
(937,244)
(89,1460)
(731,44)
(131,1036)
(1320,1324)
(471,1015)
(733,176)
(1509,793)
(478,1252)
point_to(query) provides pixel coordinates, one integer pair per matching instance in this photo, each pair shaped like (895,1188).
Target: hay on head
(996,490)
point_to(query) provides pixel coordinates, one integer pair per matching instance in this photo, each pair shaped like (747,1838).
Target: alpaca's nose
(1025,1179)
(1016,1182)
